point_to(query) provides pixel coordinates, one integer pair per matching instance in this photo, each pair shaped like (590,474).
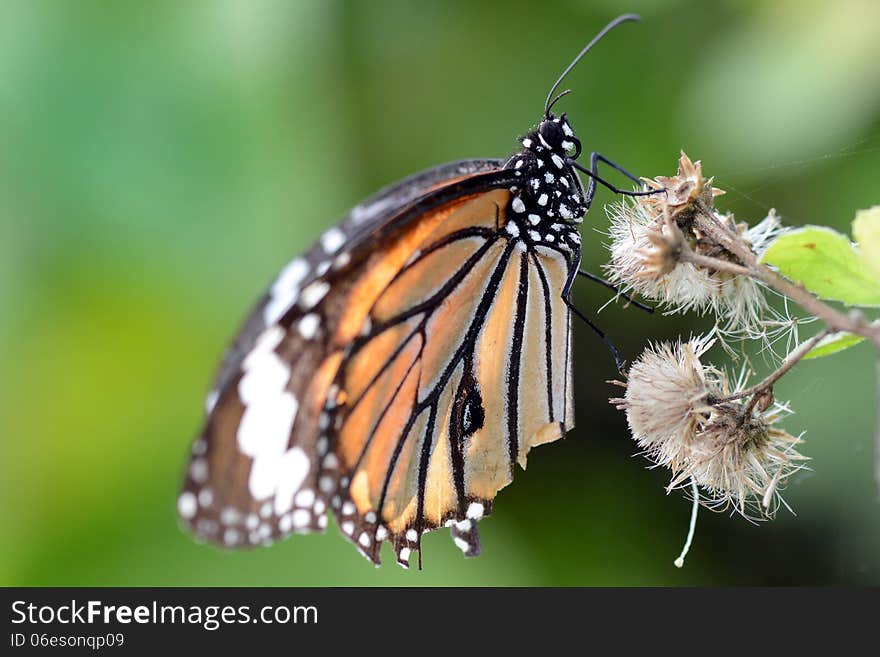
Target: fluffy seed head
(733,450)
(663,388)
(649,234)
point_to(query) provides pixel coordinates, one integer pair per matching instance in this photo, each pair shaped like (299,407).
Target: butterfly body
(397,371)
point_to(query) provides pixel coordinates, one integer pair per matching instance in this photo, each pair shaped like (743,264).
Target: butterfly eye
(551,133)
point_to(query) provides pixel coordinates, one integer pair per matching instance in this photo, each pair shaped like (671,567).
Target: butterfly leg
(595,158)
(566,298)
(614,288)
(593,173)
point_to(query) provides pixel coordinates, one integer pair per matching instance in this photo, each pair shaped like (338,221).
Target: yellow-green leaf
(866,231)
(832,344)
(827,265)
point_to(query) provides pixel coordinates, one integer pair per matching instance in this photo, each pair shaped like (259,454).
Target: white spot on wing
(284,290)
(305,497)
(313,293)
(186,505)
(364,213)
(206,497)
(265,374)
(264,429)
(308,325)
(293,469)
(300,518)
(332,240)
(198,470)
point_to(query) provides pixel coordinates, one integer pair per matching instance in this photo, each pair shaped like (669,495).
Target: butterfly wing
(461,366)
(372,216)
(253,470)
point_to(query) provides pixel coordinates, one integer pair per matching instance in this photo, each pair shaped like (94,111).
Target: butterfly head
(556,134)
(551,193)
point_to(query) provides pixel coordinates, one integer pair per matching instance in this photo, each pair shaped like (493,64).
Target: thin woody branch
(853,323)
(790,362)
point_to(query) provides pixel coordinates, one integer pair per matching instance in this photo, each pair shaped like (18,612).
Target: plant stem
(790,362)
(713,263)
(852,323)
(835,321)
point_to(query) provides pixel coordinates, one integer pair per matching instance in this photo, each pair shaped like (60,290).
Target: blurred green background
(159,162)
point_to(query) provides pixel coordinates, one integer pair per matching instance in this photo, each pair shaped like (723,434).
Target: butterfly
(398,370)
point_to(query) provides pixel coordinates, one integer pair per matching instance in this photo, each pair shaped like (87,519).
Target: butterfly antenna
(557,99)
(605,30)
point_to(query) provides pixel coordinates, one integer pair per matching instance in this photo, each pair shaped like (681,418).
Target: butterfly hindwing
(455,376)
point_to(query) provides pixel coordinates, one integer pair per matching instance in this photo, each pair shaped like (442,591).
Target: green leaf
(826,263)
(866,231)
(832,344)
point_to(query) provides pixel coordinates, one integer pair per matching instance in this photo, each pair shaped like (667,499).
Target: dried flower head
(651,237)
(645,259)
(682,415)
(663,388)
(682,190)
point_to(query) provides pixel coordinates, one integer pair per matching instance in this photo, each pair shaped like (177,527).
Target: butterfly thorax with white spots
(549,202)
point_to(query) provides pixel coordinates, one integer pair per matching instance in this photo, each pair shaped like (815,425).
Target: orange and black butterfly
(398,370)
